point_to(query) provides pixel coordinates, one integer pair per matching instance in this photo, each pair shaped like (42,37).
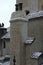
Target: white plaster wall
(7,48)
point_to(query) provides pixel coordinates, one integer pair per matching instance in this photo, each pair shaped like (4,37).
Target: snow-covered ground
(5,63)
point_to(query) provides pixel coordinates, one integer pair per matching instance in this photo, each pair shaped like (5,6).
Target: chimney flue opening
(16,7)
(20,6)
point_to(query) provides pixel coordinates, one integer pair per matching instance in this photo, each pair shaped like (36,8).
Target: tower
(18,33)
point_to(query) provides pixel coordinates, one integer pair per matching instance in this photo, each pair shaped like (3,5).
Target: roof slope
(7,35)
(35,15)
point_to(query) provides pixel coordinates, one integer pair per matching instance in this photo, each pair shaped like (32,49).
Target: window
(4,45)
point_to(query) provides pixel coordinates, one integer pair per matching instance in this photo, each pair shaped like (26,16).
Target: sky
(6,9)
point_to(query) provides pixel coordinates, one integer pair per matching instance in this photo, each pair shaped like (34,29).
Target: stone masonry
(22,27)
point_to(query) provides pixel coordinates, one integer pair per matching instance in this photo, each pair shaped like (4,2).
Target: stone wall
(35,29)
(17,47)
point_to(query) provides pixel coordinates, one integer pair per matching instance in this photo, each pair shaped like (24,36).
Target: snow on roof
(8,29)
(1,58)
(6,36)
(29,40)
(36,55)
(7,56)
(35,15)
